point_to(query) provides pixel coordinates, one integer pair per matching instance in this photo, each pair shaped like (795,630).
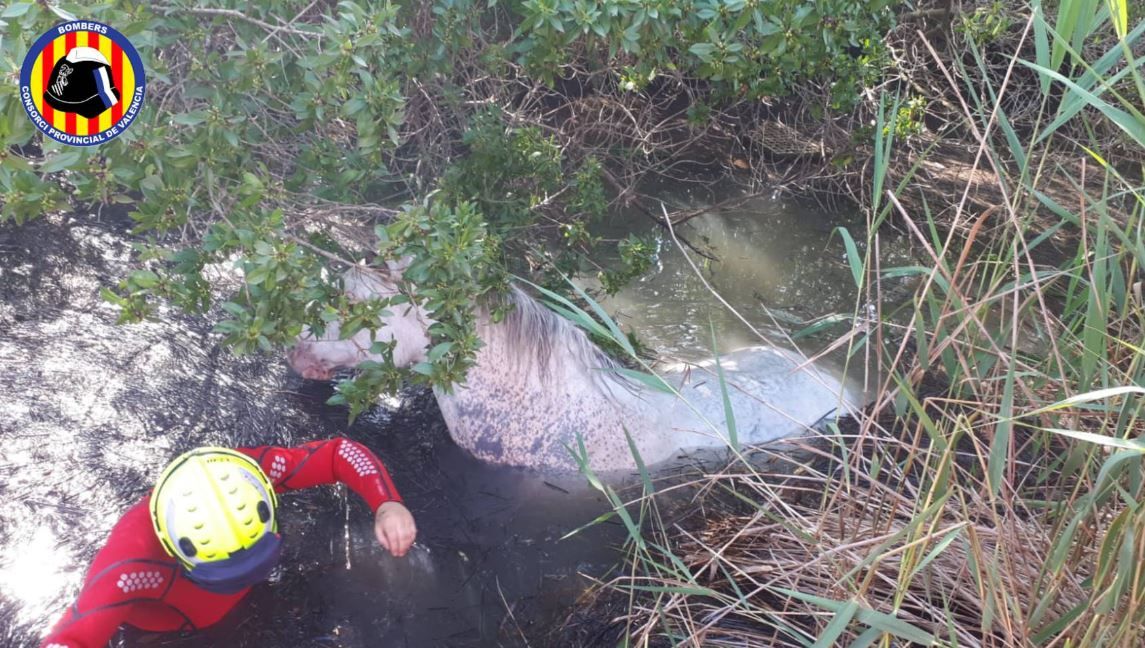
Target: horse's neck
(537,347)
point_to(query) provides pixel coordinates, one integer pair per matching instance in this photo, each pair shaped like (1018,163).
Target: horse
(540,387)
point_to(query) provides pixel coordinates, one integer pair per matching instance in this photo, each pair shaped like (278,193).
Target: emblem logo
(82,83)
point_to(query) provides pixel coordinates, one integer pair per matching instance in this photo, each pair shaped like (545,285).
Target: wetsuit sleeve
(117,580)
(327,462)
(92,630)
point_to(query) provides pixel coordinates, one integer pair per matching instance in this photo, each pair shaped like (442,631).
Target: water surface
(779,262)
(92,411)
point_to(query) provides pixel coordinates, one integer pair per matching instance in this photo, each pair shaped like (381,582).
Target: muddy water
(91,411)
(779,263)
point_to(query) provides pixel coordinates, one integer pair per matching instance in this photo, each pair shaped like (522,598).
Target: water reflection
(36,570)
(779,264)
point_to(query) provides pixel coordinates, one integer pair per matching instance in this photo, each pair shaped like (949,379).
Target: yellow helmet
(214,511)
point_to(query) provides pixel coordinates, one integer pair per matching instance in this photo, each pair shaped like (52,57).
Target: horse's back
(772,392)
(507,415)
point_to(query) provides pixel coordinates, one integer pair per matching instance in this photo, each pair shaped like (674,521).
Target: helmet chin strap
(243,569)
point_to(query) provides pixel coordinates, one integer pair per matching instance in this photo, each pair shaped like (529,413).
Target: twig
(665,223)
(509,610)
(672,232)
(234,13)
(723,204)
(291,21)
(319,251)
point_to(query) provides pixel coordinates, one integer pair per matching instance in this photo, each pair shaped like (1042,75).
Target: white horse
(539,383)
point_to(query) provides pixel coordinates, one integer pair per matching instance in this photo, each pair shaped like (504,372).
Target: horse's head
(319,357)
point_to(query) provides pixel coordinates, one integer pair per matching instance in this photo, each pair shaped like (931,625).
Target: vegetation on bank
(991,495)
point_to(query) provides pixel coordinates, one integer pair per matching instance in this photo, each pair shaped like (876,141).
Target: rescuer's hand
(394,527)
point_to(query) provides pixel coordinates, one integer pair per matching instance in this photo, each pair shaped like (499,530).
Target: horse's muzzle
(303,361)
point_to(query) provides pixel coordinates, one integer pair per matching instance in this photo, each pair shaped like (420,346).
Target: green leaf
(650,380)
(1041,44)
(111,297)
(151,185)
(616,334)
(1000,445)
(1137,447)
(61,161)
(854,260)
(16,10)
(769,28)
(1087,397)
(439,350)
(950,537)
(256,276)
(234,309)
(1053,629)
(703,50)
(1119,12)
(729,415)
(823,323)
(1131,124)
(1069,22)
(837,626)
(578,316)
(144,278)
(645,478)
(193,118)
(884,622)
(911,271)
(867,638)
(64,15)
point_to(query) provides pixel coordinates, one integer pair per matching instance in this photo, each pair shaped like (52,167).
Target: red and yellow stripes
(122,75)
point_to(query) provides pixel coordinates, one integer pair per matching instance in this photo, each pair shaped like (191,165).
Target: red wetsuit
(133,580)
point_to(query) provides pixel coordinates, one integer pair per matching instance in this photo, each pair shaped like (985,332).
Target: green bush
(267,126)
(749,48)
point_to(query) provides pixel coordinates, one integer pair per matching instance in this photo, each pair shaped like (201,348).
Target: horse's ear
(397,268)
(363,282)
(391,269)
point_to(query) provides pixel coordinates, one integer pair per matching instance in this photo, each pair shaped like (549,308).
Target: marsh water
(91,411)
(779,262)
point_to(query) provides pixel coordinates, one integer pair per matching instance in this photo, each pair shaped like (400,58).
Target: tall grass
(994,492)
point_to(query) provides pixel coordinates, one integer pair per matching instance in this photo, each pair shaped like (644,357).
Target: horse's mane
(534,332)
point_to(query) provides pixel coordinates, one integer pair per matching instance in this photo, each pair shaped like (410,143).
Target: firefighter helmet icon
(81,83)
